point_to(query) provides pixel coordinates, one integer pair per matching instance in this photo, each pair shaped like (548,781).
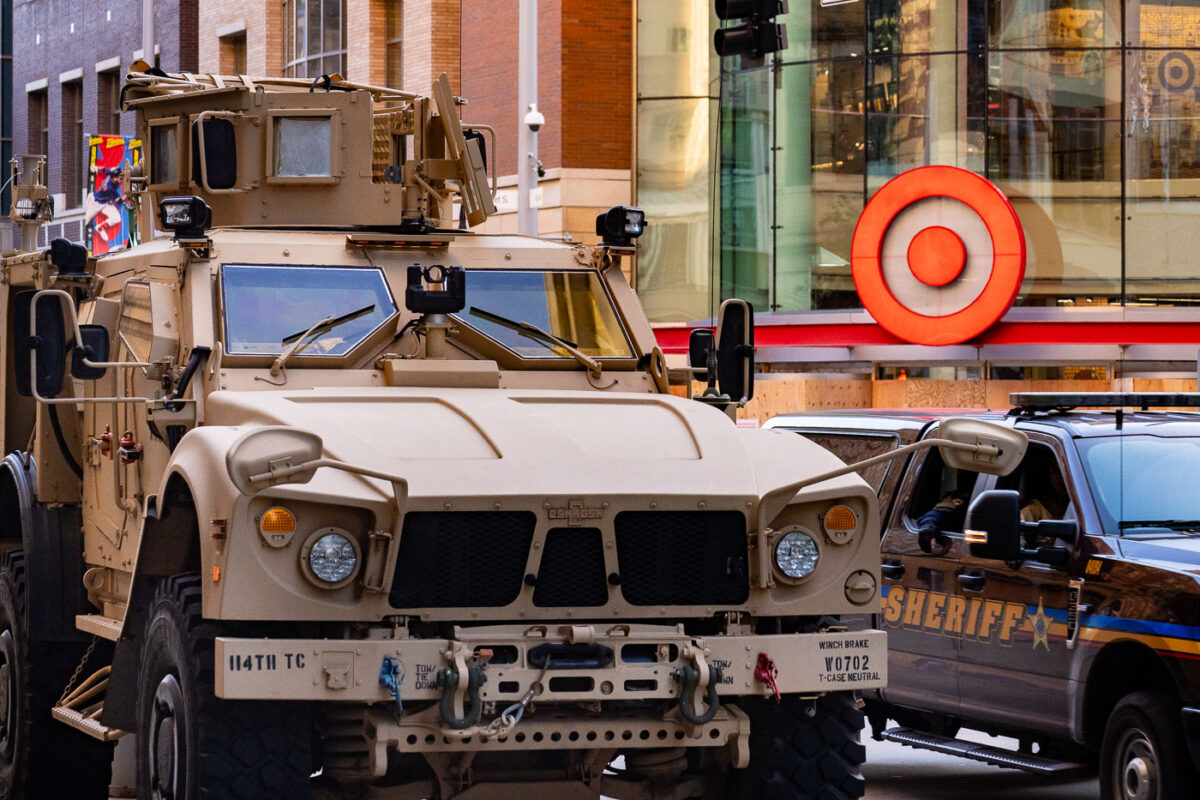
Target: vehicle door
(922,605)
(1014,662)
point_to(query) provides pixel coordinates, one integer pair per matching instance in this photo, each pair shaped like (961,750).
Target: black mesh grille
(456,559)
(572,569)
(682,557)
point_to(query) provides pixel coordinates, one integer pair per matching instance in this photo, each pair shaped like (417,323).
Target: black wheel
(34,747)
(805,750)
(1143,755)
(190,744)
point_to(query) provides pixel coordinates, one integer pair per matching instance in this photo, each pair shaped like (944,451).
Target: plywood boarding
(928,394)
(772,397)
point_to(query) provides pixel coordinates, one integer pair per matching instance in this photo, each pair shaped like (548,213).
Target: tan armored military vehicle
(320,493)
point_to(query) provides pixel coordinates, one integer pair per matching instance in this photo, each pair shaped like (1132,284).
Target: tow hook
(695,679)
(455,696)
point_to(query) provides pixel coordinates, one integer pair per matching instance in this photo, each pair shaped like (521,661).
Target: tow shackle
(689,676)
(448,680)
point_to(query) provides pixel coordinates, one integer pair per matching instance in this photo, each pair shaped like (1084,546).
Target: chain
(75,675)
(509,718)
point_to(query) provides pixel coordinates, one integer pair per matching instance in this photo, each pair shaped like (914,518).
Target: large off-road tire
(192,745)
(795,756)
(1144,753)
(39,756)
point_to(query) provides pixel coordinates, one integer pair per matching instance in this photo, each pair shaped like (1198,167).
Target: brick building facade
(68,62)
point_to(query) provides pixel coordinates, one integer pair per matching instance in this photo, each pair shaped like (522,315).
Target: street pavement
(895,772)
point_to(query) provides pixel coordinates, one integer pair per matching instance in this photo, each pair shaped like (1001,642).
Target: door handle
(971,581)
(892,569)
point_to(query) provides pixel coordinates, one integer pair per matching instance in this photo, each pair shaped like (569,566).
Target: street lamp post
(527,109)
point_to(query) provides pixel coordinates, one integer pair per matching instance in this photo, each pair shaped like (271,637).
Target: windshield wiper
(534,332)
(1171,524)
(303,339)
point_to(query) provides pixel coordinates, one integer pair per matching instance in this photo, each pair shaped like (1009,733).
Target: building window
(108,102)
(39,127)
(395,37)
(233,54)
(314,38)
(72,143)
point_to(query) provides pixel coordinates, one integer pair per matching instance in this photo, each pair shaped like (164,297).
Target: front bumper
(642,662)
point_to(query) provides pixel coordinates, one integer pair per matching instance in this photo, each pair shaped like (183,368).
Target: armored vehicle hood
(533,443)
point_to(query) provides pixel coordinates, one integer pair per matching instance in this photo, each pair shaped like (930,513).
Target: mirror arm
(293,469)
(53,401)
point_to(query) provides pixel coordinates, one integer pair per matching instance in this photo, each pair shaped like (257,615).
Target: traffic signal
(758,35)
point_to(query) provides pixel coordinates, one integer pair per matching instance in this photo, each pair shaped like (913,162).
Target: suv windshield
(1144,482)
(569,305)
(266,304)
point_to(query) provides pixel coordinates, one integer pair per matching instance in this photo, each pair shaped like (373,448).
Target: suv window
(858,447)
(1040,482)
(937,487)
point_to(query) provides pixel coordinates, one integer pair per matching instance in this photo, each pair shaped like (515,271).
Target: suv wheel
(187,738)
(1143,756)
(32,676)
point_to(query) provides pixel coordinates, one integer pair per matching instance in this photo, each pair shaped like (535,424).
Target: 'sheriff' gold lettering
(973,618)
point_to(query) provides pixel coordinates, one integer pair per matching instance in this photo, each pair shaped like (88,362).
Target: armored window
(136,329)
(301,147)
(263,305)
(571,305)
(164,153)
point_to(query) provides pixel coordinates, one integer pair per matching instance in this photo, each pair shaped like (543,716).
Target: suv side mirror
(45,350)
(982,446)
(993,526)
(735,350)
(93,346)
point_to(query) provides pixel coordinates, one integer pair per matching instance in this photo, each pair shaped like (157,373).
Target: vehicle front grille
(459,559)
(572,569)
(682,558)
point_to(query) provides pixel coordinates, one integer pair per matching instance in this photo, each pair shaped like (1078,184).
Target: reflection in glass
(1020,24)
(673,188)
(1162,177)
(1054,150)
(1162,23)
(925,110)
(746,187)
(924,26)
(823,29)
(677,87)
(302,147)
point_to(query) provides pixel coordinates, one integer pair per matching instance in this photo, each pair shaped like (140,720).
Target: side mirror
(700,344)
(45,350)
(993,526)
(93,346)
(273,455)
(735,350)
(984,446)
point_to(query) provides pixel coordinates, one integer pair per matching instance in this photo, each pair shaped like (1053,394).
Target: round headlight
(332,557)
(796,555)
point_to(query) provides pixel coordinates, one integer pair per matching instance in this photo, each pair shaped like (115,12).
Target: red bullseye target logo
(938,255)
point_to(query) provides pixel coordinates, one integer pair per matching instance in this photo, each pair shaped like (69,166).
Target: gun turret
(286,152)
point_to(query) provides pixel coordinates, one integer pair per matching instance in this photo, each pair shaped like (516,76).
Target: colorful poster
(108,214)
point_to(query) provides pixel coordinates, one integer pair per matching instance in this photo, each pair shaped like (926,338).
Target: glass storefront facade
(1086,113)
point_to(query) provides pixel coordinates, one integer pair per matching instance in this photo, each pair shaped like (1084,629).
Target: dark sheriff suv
(1059,604)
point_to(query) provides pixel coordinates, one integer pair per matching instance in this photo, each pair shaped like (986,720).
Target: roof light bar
(1049,401)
